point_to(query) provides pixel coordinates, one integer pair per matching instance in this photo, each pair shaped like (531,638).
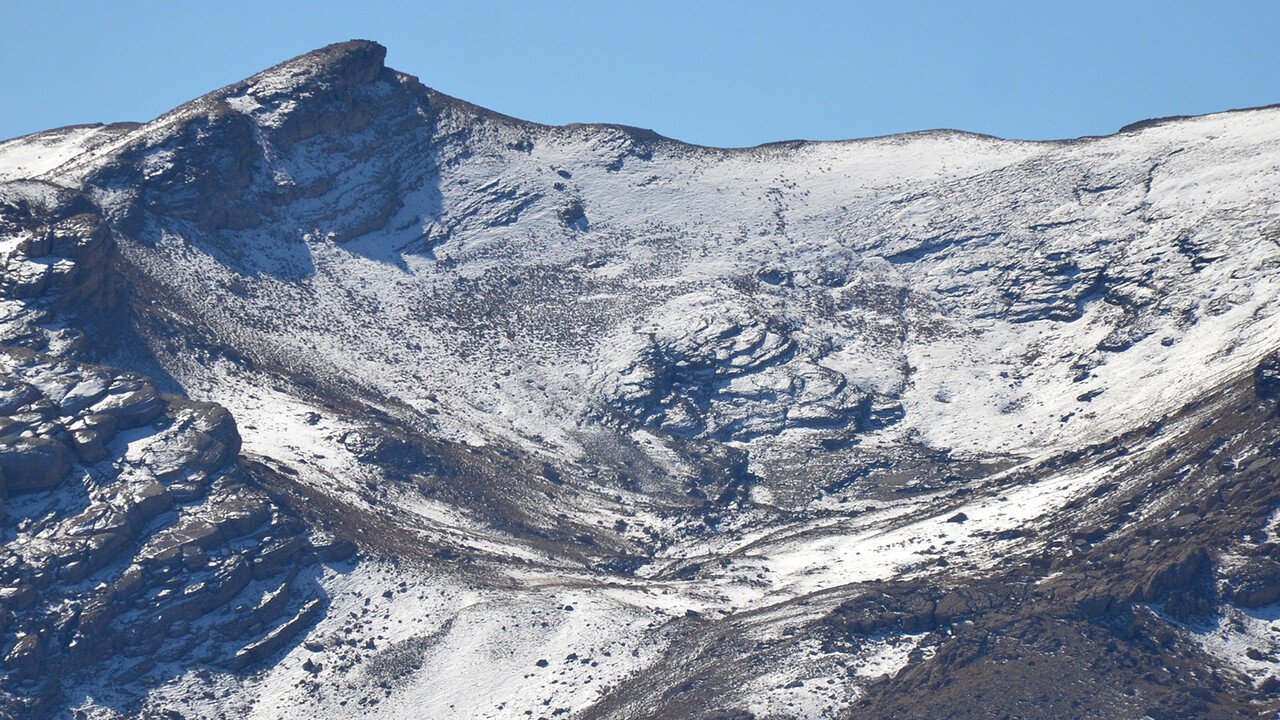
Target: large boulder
(33,463)
(84,393)
(14,394)
(1255,583)
(207,437)
(131,403)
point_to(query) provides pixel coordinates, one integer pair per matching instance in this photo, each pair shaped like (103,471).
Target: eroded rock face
(132,532)
(730,365)
(56,255)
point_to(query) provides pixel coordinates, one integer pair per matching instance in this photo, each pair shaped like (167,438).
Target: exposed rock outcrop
(137,542)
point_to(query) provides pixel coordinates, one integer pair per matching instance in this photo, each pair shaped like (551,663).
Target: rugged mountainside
(328,395)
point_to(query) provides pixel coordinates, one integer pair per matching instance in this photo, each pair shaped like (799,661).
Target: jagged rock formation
(628,426)
(132,532)
(57,255)
(727,370)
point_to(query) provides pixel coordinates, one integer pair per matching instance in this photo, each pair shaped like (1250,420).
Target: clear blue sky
(715,73)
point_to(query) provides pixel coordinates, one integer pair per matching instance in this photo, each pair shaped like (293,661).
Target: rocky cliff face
(133,532)
(632,427)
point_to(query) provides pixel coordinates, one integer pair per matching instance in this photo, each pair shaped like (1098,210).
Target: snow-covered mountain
(624,427)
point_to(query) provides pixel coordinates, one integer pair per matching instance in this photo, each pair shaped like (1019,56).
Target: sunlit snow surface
(34,155)
(922,267)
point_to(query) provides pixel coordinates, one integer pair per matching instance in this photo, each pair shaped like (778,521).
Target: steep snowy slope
(641,410)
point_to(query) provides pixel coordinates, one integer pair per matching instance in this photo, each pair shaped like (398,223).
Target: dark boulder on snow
(1266,378)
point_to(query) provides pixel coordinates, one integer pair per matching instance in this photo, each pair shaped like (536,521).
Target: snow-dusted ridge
(981,291)
(691,393)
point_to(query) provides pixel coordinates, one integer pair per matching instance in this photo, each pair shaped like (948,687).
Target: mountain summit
(328,395)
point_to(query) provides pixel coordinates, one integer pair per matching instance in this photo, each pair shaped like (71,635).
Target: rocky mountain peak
(312,93)
(355,62)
